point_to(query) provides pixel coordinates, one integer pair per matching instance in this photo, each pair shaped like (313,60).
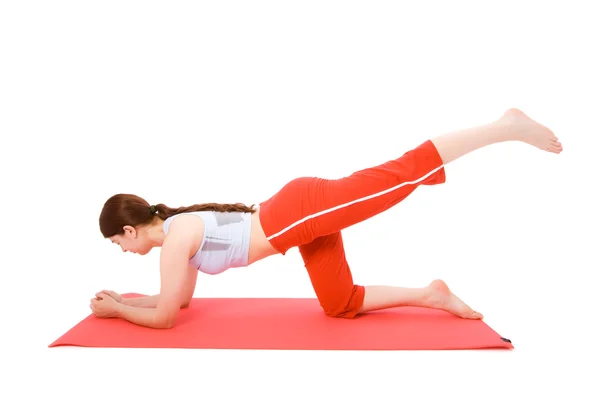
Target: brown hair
(129,209)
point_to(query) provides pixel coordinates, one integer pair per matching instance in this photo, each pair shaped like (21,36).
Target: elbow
(168,325)
(165,321)
(185,302)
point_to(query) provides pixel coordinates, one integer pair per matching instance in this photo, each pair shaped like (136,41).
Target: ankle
(430,297)
(512,125)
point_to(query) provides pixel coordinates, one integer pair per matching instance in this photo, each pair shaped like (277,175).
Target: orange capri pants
(310,213)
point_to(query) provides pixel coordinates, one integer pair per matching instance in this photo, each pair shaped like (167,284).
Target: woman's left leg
(338,295)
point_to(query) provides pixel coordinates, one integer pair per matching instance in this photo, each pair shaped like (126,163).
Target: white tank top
(226,240)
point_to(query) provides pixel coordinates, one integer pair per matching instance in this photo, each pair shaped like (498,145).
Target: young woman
(308,213)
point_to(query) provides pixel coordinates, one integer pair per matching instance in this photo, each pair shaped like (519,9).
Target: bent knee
(340,313)
(347,307)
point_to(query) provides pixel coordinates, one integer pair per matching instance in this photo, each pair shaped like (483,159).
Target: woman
(308,213)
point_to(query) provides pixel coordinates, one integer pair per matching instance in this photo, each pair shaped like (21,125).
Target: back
(226,240)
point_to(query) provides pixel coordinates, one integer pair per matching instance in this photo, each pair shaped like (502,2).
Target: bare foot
(442,298)
(532,132)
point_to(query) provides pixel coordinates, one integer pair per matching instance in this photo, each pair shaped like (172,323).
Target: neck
(155,232)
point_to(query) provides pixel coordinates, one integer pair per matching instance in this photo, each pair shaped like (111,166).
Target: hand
(118,298)
(104,306)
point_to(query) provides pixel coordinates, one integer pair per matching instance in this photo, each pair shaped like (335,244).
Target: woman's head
(133,223)
(125,220)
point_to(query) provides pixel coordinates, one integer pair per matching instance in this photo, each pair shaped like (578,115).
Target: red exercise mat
(289,324)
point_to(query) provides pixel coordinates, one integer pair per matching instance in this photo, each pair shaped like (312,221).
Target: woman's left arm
(176,251)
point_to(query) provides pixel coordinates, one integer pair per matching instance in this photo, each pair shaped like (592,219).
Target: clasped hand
(105,304)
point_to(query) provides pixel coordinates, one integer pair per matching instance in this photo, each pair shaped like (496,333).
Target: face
(133,240)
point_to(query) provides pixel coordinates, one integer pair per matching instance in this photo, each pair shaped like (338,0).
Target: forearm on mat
(146,301)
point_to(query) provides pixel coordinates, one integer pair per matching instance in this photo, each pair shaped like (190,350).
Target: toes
(474,315)
(555,147)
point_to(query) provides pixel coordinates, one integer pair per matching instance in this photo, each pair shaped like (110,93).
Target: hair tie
(152,209)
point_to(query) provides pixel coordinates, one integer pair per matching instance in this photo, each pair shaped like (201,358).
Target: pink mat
(289,323)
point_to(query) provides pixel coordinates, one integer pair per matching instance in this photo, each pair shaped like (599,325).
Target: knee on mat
(340,309)
(349,314)
(344,306)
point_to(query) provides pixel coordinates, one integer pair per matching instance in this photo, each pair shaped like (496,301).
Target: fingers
(106,296)
(110,293)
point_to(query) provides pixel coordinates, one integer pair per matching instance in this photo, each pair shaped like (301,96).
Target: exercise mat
(289,324)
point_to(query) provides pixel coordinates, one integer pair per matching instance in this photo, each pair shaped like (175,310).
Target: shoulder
(186,232)
(186,223)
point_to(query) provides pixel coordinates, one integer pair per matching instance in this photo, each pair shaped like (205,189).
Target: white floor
(226,102)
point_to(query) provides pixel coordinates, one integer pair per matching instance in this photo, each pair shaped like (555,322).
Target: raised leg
(436,295)
(309,207)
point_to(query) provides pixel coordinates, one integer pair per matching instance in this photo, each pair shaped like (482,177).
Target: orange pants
(310,213)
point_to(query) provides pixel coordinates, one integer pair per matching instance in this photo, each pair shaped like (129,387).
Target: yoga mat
(288,324)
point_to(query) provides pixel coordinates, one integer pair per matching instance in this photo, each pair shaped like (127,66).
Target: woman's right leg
(308,208)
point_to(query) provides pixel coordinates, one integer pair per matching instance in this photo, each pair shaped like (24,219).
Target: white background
(189,102)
